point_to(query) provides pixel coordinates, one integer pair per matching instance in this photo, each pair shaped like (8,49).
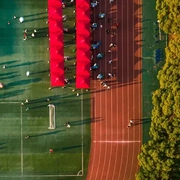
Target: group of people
(100,55)
(131,122)
(104,84)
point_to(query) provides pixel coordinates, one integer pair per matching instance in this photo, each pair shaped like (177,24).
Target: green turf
(150,67)
(22,158)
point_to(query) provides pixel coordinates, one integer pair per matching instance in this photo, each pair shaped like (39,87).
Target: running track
(114,147)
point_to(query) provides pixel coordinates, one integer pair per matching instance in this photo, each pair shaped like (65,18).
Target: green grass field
(150,34)
(22,158)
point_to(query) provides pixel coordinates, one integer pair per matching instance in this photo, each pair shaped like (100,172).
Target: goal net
(51,116)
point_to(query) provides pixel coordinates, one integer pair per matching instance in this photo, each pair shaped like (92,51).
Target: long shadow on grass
(44,99)
(12,93)
(70,4)
(2,144)
(85,121)
(39,72)
(2,148)
(8,74)
(23,64)
(22,82)
(30,15)
(141,121)
(9,62)
(10,77)
(47,134)
(71,147)
(35,19)
(41,35)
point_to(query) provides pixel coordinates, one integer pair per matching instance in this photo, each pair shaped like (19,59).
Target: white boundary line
(10,102)
(22,162)
(26,176)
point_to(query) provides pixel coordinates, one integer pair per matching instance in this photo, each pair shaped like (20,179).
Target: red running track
(114,147)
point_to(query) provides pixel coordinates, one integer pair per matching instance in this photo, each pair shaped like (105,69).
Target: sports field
(22,158)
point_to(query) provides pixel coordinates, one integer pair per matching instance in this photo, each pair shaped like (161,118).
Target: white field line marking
(28,176)
(80,173)
(82,130)
(21,144)
(10,102)
(116,141)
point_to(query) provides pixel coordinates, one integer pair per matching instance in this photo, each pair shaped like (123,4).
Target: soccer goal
(52,124)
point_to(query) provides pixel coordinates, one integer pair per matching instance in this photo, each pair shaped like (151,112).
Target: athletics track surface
(115,147)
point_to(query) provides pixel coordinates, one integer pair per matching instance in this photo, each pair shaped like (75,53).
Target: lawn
(150,43)
(22,158)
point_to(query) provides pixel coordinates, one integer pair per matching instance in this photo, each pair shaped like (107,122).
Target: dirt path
(115,147)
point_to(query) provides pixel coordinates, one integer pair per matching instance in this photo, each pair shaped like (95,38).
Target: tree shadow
(145,19)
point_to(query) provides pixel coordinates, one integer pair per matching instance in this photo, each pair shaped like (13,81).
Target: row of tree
(169,15)
(160,157)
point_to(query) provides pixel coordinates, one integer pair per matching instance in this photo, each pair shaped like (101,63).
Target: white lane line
(134,95)
(117,100)
(93,113)
(122,81)
(105,95)
(116,141)
(128,88)
(100,106)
